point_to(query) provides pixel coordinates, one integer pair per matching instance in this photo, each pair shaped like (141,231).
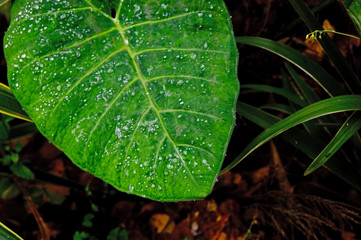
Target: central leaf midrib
(156,110)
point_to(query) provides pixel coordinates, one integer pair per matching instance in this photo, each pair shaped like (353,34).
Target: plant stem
(44,229)
(318,34)
(336,57)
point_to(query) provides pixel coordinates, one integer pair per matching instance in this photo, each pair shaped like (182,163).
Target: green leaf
(8,190)
(321,108)
(22,171)
(144,100)
(301,140)
(354,10)
(18,147)
(82,236)
(7,160)
(4,130)
(7,233)
(55,198)
(309,95)
(87,221)
(9,105)
(310,67)
(348,129)
(117,234)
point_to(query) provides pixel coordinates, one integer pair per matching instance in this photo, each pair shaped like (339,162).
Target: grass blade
(321,108)
(9,105)
(309,95)
(7,233)
(340,63)
(315,71)
(301,140)
(348,129)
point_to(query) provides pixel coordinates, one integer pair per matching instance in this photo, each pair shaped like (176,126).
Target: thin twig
(44,230)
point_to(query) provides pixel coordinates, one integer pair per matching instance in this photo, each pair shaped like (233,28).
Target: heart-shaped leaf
(139,93)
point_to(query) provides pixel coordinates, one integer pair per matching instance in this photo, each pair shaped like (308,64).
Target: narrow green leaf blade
(348,129)
(309,95)
(141,94)
(354,10)
(301,140)
(9,105)
(314,70)
(322,108)
(7,233)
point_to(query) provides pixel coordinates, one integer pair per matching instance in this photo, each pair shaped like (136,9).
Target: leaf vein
(51,13)
(189,111)
(133,135)
(104,113)
(82,78)
(118,10)
(68,47)
(180,49)
(181,76)
(143,81)
(193,146)
(157,154)
(98,10)
(168,19)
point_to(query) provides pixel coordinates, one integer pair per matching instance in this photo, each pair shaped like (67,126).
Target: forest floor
(264,197)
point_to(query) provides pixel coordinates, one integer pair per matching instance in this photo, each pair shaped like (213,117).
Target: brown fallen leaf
(162,223)
(223,236)
(348,235)
(212,206)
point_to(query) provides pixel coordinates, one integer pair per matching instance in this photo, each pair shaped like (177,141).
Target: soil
(264,197)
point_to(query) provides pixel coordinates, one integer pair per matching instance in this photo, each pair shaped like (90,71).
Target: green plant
(140,95)
(305,105)
(115,234)
(6,233)
(162,132)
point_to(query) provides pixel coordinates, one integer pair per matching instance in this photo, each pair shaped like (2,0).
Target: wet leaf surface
(141,95)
